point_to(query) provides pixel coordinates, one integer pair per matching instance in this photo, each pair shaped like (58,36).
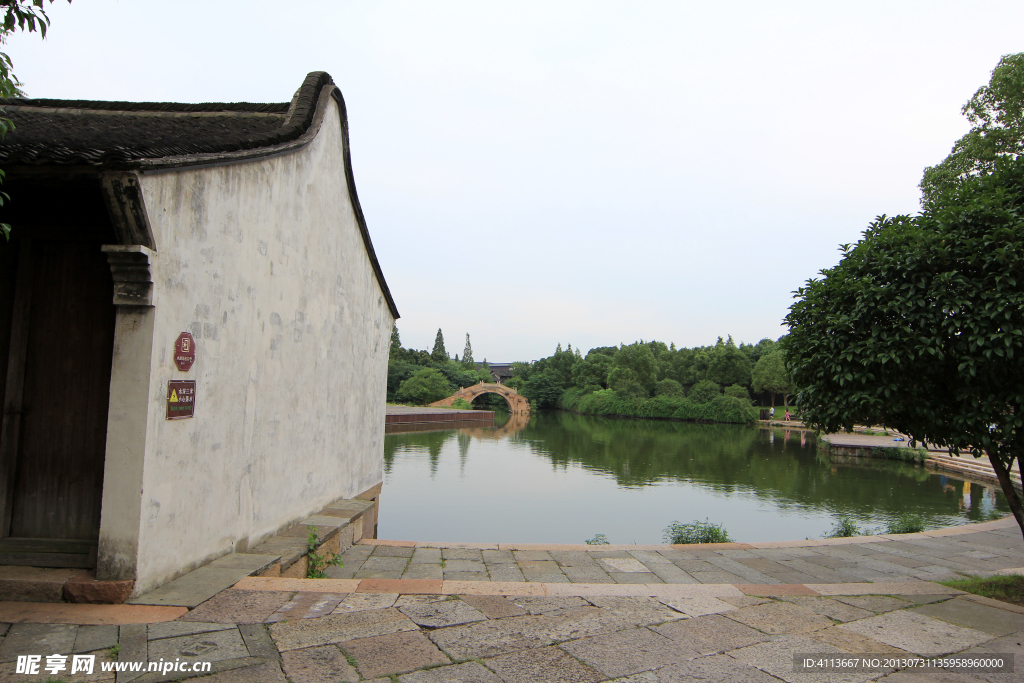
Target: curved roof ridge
(83,133)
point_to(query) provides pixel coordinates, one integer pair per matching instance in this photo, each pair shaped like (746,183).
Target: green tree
(467,354)
(728,365)
(921,326)
(770,375)
(439,354)
(544,388)
(396,343)
(996,113)
(639,361)
(669,387)
(592,370)
(426,385)
(704,391)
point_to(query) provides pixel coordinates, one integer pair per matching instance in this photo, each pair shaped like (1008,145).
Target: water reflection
(652,472)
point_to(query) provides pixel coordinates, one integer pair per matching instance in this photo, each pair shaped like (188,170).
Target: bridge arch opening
(491,400)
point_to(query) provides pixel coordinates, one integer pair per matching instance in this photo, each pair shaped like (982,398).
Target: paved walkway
(434,613)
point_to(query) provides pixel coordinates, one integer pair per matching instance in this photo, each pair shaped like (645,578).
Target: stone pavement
(480,622)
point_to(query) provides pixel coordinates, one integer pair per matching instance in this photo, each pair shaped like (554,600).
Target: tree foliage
(996,113)
(704,391)
(921,326)
(467,353)
(770,375)
(438,353)
(426,385)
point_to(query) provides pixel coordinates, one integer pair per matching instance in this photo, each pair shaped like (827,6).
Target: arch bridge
(517,403)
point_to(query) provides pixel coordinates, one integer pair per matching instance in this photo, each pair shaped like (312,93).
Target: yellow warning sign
(181,399)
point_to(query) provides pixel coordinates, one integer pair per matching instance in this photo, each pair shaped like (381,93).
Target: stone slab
(775,589)
(239,607)
(39,639)
(971,614)
(197,587)
(917,633)
(174,629)
(206,647)
(875,603)
(711,634)
(440,614)
(833,609)
(470,672)
(394,653)
(713,669)
(615,564)
(400,586)
(492,588)
(493,606)
(627,652)
(318,665)
(542,664)
(641,611)
(698,607)
(92,638)
(360,602)
(302,633)
(780,618)
(60,613)
(884,588)
(776,658)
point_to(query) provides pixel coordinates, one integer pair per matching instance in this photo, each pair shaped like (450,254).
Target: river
(562,478)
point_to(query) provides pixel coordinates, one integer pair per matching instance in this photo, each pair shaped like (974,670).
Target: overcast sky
(579,172)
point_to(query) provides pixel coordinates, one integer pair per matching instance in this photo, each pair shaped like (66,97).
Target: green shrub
(905,524)
(669,387)
(598,539)
(738,391)
(704,391)
(610,402)
(462,404)
(696,532)
(845,528)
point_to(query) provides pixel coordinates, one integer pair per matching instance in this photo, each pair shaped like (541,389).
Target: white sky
(583,172)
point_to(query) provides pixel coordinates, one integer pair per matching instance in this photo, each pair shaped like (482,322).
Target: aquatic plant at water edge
(845,528)
(696,532)
(905,524)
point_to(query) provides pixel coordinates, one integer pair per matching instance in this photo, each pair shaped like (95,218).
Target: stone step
(285,554)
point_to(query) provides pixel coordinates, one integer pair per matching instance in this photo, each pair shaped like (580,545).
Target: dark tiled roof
(129,134)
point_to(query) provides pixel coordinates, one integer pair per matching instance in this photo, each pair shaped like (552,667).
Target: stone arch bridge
(517,403)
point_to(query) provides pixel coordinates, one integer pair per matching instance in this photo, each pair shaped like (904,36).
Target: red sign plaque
(181,399)
(184,351)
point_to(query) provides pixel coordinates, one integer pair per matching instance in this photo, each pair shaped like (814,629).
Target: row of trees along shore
(643,379)
(421,377)
(657,380)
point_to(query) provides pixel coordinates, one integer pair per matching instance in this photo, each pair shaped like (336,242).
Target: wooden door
(59,344)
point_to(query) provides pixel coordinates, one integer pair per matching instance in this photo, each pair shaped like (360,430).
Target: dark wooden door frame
(12,410)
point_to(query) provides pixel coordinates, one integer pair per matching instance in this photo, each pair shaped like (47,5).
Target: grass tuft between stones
(1004,588)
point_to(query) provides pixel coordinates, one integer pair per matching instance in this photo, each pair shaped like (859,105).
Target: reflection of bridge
(516,423)
(517,403)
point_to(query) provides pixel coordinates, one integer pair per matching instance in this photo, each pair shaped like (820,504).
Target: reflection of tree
(727,459)
(734,459)
(416,442)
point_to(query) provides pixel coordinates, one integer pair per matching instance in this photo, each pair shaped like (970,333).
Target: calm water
(561,478)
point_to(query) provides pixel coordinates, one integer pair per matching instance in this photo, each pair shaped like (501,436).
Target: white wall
(264,264)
